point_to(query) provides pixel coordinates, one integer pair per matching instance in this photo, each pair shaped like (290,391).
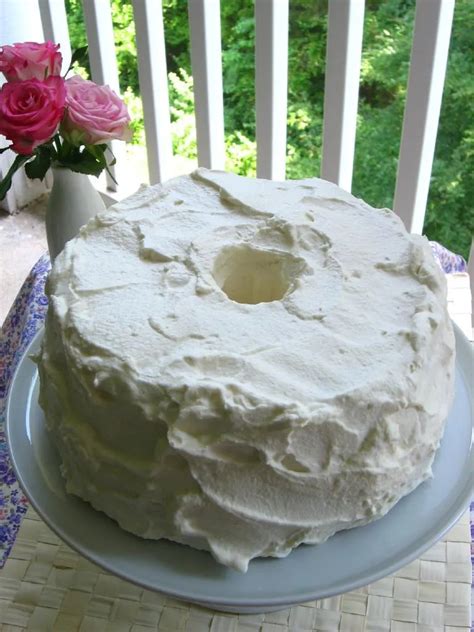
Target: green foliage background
(388,32)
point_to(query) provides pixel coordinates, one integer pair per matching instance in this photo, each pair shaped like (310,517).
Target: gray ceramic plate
(346,561)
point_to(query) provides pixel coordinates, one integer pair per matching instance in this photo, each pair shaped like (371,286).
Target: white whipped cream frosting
(243,365)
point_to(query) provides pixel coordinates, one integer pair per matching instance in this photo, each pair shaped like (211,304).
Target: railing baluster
(103,62)
(206,59)
(271,86)
(341,92)
(20,21)
(55,28)
(148,15)
(429,56)
(470,269)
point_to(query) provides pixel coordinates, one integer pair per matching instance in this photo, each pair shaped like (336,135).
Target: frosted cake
(242,365)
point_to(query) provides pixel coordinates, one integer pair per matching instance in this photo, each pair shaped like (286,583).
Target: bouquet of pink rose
(51,120)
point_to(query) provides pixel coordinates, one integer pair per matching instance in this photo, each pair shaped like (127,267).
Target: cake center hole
(252,276)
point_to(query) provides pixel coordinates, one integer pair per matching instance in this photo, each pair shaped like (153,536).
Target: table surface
(44,585)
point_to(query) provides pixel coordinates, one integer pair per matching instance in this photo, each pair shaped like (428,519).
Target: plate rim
(464,352)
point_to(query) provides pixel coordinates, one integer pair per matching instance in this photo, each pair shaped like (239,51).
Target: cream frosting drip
(244,365)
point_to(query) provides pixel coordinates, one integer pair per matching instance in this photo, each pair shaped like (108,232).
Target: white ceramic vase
(72,202)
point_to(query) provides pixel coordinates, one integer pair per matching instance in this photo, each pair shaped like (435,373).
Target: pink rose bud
(30,60)
(94,114)
(30,112)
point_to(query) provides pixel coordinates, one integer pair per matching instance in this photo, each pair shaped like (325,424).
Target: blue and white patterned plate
(346,561)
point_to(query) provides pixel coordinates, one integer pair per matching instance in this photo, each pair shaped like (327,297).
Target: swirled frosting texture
(243,365)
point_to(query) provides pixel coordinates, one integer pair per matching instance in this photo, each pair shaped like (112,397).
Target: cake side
(245,365)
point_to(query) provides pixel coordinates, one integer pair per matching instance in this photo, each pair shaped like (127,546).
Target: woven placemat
(45,586)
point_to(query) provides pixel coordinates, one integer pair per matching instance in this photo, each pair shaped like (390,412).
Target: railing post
(341,91)
(206,60)
(102,58)
(55,28)
(20,21)
(428,62)
(271,86)
(470,269)
(148,16)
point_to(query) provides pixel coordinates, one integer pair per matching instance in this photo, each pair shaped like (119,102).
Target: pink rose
(30,112)
(94,114)
(30,60)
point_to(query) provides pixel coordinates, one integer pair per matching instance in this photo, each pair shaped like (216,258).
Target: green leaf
(38,167)
(89,159)
(96,152)
(78,55)
(67,151)
(87,165)
(6,183)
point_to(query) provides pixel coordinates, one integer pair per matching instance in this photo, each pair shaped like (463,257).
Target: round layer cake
(243,365)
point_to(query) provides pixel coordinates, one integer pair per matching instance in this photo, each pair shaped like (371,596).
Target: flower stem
(58,144)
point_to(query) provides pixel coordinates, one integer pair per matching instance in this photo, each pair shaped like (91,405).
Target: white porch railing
(429,57)
(341,90)
(271,86)
(206,59)
(153,79)
(345,30)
